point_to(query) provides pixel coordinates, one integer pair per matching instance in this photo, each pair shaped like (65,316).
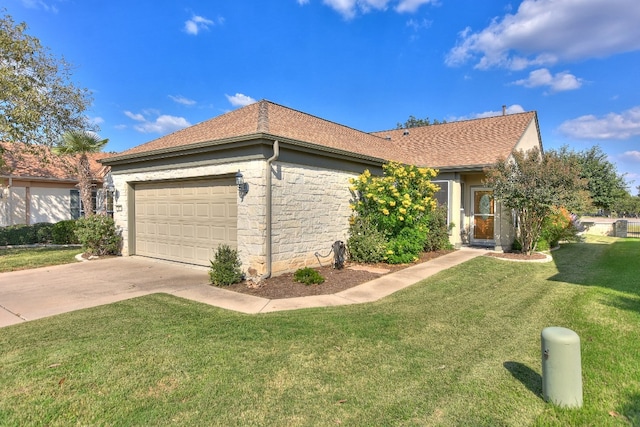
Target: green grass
(461,348)
(24,258)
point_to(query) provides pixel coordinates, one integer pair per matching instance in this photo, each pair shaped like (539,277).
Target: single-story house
(273,182)
(39,186)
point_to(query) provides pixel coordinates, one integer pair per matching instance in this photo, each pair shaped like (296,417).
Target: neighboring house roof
(471,143)
(37,162)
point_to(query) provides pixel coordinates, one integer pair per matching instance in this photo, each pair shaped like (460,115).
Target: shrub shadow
(527,376)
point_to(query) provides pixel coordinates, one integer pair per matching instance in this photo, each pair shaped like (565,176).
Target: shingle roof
(38,162)
(466,143)
(270,118)
(475,142)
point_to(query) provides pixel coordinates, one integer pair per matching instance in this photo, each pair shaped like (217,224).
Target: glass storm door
(483,215)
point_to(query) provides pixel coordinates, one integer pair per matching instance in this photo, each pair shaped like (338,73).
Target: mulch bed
(353,274)
(517,256)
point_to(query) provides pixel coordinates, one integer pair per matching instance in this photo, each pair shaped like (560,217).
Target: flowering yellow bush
(400,199)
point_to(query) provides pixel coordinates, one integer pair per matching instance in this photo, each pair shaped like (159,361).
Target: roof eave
(238,141)
(463,168)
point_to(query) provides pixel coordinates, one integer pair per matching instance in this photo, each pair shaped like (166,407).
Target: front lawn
(24,258)
(460,348)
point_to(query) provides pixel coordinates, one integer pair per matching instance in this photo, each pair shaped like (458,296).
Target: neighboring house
(177,197)
(39,186)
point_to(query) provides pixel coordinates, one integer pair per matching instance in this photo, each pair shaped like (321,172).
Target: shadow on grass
(612,266)
(631,410)
(527,376)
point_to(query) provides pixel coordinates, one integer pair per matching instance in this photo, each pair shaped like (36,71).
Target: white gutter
(269,214)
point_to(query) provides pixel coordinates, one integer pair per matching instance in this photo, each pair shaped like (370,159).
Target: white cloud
(136,117)
(350,8)
(611,126)
(544,32)
(162,124)
(558,83)
(632,156)
(39,4)
(240,100)
(417,25)
(182,100)
(303,2)
(411,6)
(96,120)
(196,24)
(512,109)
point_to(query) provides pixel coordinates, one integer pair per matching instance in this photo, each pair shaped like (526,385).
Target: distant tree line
(414,122)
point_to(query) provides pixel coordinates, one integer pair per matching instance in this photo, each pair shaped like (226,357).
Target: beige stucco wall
(13,206)
(529,139)
(49,204)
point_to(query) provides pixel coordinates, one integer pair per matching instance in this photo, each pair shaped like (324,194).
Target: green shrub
(365,244)
(225,267)
(556,227)
(406,246)
(98,235)
(438,235)
(22,234)
(64,232)
(43,232)
(308,276)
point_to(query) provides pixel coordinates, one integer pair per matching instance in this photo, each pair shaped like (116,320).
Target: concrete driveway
(33,294)
(41,292)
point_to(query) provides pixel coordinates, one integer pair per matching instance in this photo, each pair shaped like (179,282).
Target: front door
(483,216)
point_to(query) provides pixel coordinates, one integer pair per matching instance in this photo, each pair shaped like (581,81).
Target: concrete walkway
(33,294)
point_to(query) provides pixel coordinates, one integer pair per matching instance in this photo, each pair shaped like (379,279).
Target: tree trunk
(84,183)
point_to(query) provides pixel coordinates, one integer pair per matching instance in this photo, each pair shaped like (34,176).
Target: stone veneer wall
(310,212)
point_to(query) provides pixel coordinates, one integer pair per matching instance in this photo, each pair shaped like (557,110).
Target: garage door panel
(185,220)
(203,232)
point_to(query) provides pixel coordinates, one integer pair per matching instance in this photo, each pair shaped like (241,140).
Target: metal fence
(633,229)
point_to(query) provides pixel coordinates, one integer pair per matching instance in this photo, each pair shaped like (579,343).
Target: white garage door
(185,220)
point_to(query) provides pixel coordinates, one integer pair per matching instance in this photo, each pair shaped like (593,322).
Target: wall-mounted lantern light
(243,187)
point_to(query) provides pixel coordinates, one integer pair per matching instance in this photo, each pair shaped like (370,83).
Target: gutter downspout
(268,203)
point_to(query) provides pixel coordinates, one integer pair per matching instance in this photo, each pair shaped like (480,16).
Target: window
(74,207)
(105,204)
(442,196)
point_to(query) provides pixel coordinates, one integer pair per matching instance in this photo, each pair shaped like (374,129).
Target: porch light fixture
(243,187)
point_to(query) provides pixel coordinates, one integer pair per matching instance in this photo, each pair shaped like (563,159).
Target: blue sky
(157,66)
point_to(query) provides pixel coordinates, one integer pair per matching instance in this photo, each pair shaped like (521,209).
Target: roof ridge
(321,118)
(459,121)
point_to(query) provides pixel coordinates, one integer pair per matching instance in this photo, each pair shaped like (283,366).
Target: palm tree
(79,144)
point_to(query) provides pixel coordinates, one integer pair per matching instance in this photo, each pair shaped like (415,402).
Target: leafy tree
(627,205)
(38,102)
(413,122)
(533,184)
(604,183)
(79,144)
